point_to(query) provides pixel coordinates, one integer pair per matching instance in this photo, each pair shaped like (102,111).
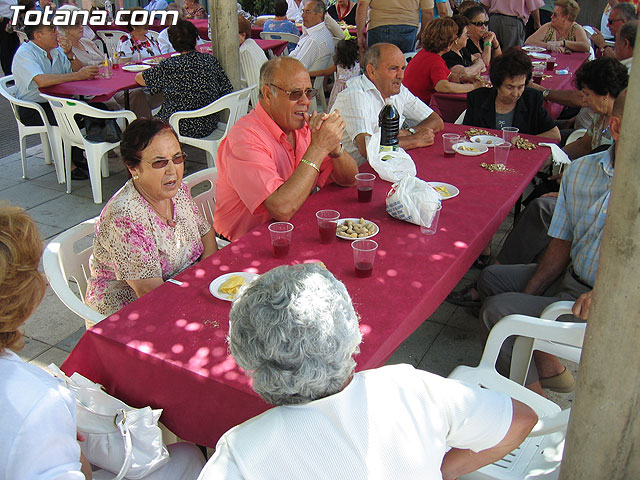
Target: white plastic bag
(405,197)
(395,165)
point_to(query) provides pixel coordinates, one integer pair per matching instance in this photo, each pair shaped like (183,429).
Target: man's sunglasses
(295,95)
(163,162)
(480,24)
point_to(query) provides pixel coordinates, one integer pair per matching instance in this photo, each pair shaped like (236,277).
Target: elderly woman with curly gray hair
(295,332)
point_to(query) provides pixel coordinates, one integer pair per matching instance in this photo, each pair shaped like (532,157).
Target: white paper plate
(533,48)
(541,56)
(152,61)
(355,220)
(488,140)
(453,190)
(478,149)
(214,286)
(135,68)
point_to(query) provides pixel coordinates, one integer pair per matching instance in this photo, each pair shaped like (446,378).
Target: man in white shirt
(294,10)
(620,14)
(316,41)
(361,102)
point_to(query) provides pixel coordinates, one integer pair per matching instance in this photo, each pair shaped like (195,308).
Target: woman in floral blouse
(150,230)
(188,81)
(138,41)
(193,10)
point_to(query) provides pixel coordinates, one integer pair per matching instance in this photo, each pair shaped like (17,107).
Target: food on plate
(153,61)
(442,190)
(464,148)
(232,285)
(472,132)
(357,229)
(487,142)
(524,144)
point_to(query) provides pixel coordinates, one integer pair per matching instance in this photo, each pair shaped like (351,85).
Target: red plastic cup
(280,238)
(364,255)
(327,224)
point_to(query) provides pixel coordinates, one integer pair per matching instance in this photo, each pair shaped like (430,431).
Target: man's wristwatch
(71,57)
(411,130)
(545,93)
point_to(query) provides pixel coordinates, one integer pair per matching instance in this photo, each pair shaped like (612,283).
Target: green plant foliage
(257,7)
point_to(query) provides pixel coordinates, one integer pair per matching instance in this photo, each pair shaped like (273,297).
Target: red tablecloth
(168,348)
(202,24)
(102,89)
(450,105)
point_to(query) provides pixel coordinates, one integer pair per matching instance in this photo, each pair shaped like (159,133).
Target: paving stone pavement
(451,336)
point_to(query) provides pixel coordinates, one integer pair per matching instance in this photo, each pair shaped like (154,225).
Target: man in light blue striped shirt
(568,268)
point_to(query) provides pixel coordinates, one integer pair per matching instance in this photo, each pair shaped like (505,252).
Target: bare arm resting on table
(326,132)
(459,462)
(49,79)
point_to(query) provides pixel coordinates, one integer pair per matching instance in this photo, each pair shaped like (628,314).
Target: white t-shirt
(37,424)
(394,422)
(360,104)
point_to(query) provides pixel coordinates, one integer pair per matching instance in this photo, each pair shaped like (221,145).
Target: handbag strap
(120,419)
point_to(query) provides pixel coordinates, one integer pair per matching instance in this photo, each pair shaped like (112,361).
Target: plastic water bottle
(106,63)
(389,122)
(109,9)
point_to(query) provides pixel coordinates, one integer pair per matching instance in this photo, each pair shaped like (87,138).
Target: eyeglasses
(295,95)
(480,24)
(611,21)
(163,162)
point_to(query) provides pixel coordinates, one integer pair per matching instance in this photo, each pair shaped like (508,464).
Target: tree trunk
(223,23)
(603,439)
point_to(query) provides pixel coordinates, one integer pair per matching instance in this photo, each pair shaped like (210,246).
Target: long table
(168,350)
(450,105)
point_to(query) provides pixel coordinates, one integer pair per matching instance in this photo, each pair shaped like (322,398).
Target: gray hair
(628,32)
(294,331)
(627,10)
(372,55)
(319,6)
(270,67)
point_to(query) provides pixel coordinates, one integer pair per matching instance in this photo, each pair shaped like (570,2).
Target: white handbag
(119,438)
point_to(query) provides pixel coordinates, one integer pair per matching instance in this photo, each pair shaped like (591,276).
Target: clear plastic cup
(429,216)
(551,64)
(509,134)
(327,224)
(448,141)
(365,186)
(364,255)
(280,238)
(501,153)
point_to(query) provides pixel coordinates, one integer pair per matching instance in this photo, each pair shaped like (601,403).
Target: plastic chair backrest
(320,64)
(409,55)
(22,37)
(66,258)
(111,38)
(8,92)
(205,200)
(64,110)
(289,37)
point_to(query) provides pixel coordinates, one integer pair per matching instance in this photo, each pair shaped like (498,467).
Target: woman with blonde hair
(562,33)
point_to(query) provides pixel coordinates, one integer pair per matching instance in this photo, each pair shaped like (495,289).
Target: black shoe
(463,298)
(79,174)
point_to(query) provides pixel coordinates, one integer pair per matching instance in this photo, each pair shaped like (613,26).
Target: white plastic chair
(62,263)
(540,454)
(318,83)
(65,109)
(289,37)
(49,134)
(111,39)
(22,37)
(206,200)
(100,44)
(409,55)
(460,119)
(236,102)
(575,135)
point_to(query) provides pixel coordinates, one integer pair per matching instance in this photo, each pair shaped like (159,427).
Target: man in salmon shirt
(275,156)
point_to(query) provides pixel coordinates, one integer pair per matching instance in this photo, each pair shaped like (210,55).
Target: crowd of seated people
(270,162)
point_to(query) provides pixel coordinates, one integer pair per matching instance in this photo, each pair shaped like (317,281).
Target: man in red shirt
(276,155)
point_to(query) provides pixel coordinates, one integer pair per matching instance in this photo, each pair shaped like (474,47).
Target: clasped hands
(326,131)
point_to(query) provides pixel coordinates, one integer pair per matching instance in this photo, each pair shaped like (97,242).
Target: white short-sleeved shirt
(360,104)
(294,11)
(394,422)
(30,61)
(314,44)
(37,424)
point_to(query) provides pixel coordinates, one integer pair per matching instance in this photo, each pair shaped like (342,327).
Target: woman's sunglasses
(163,162)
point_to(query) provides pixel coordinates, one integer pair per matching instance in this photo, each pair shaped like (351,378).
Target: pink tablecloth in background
(102,89)
(202,24)
(168,348)
(450,105)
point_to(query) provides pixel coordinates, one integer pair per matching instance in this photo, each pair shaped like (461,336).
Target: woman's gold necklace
(167,218)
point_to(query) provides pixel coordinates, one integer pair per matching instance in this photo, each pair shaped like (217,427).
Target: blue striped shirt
(582,208)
